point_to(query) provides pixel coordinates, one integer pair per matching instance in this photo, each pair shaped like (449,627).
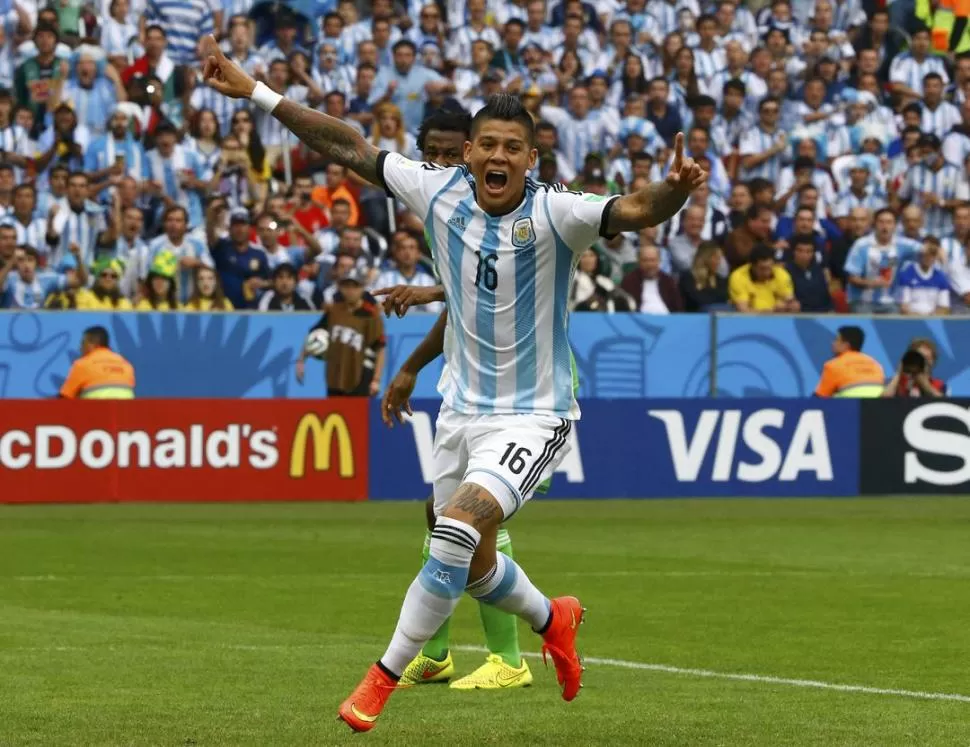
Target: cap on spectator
(873,131)
(355,275)
(284,268)
(239,215)
(598,73)
(858,164)
(105,264)
(929,140)
(164,264)
(67,263)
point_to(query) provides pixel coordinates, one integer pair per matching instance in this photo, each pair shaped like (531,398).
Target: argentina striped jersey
(506,281)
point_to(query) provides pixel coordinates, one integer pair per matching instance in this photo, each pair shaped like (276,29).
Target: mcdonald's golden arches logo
(322,435)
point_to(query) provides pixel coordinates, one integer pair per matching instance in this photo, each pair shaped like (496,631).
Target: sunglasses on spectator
(113,275)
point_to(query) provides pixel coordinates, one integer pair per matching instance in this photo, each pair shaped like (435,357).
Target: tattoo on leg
(469,499)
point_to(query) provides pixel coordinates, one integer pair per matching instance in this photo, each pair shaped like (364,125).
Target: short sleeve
(827,384)
(579,218)
(74,381)
(737,288)
(784,288)
(414,183)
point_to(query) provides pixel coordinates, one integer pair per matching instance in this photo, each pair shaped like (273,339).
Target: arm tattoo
(651,206)
(477,502)
(330,137)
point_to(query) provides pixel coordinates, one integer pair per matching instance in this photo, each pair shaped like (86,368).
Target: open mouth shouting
(495,181)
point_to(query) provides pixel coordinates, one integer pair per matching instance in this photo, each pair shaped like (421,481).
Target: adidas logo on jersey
(458,222)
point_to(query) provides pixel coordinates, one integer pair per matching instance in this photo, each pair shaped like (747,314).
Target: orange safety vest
(101,374)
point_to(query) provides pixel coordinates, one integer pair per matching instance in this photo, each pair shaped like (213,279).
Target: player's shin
(433,595)
(437,646)
(501,628)
(508,588)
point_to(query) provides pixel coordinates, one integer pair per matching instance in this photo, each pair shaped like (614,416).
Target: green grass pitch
(248,624)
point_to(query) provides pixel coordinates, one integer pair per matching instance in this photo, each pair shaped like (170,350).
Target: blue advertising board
(619,356)
(664,448)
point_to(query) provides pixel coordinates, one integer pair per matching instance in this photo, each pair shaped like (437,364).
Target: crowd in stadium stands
(837,144)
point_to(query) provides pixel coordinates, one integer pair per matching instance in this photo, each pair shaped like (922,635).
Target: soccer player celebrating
(441,140)
(506,248)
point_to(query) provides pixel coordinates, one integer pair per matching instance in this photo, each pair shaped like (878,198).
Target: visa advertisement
(662,449)
(199,450)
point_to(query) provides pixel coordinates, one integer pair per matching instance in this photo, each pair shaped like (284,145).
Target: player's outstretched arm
(658,202)
(324,134)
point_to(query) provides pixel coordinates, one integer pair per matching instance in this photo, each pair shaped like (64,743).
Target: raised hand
(222,74)
(685,175)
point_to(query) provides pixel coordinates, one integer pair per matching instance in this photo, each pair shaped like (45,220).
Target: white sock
(433,595)
(507,587)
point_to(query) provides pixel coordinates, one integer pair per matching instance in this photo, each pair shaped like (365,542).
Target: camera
(913,363)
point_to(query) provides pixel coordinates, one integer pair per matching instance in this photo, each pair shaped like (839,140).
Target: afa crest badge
(523,232)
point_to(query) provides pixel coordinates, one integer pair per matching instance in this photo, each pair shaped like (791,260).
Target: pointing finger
(678,149)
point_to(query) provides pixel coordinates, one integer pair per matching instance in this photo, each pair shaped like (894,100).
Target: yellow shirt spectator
(146,305)
(88,300)
(207,304)
(761,285)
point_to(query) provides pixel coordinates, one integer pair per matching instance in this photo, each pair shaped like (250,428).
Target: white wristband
(265,97)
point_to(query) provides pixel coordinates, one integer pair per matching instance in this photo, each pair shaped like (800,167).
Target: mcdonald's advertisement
(184,450)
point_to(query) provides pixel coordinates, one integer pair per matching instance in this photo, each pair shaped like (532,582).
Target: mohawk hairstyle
(508,108)
(445,119)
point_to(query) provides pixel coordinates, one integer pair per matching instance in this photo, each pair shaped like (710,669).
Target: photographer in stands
(914,376)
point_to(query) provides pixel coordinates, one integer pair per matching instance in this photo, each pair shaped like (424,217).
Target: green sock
(501,628)
(437,647)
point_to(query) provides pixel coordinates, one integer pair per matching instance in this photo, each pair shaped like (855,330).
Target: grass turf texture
(248,624)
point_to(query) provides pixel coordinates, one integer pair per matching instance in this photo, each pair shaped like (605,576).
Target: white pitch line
(765,679)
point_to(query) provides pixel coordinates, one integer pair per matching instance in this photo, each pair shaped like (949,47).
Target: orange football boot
(560,644)
(361,709)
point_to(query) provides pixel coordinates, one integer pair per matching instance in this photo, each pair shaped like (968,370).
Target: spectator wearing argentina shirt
(860,192)
(956,143)
(938,116)
(23,285)
(117,152)
(763,148)
(935,186)
(408,85)
(240,47)
(477,28)
(754,87)
(15,146)
(118,32)
(328,75)
(31,229)
(174,174)
(907,71)
(283,43)
(547,38)
(79,223)
(184,22)
(871,264)
(578,134)
(709,58)
(956,248)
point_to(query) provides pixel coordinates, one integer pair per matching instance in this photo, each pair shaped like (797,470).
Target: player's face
(499,156)
(444,148)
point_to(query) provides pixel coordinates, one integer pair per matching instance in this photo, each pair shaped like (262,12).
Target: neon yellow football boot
(424,670)
(495,674)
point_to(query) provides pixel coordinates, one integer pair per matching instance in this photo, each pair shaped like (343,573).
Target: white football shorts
(508,455)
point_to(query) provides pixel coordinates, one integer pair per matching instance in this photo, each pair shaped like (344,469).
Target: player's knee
(475,505)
